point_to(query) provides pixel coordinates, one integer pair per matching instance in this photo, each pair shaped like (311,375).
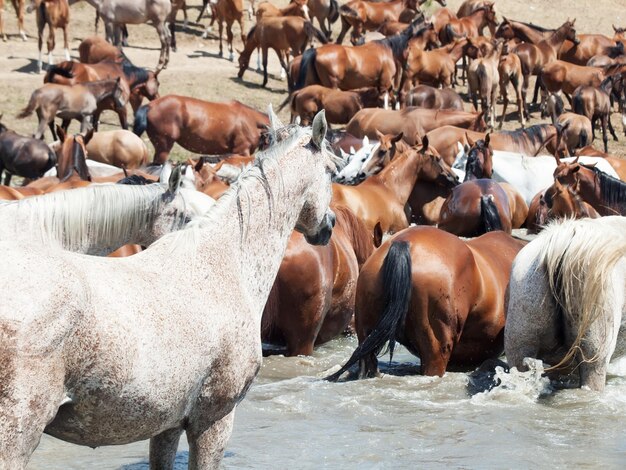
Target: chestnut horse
(312,300)
(227,11)
(439,296)
(435,67)
(510,71)
(94,49)
(381,199)
(606,194)
(294,8)
(471,25)
(120,148)
(200,126)
(424,96)
(23,156)
(412,122)
(340,105)
(561,76)
(348,68)
(19,11)
(54,14)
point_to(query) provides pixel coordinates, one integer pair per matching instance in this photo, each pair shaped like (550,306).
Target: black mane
(536,134)
(538,28)
(612,190)
(139,74)
(398,43)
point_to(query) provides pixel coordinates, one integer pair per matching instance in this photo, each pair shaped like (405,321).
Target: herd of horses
(398,225)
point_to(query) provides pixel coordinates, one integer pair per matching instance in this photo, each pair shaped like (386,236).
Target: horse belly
(128,13)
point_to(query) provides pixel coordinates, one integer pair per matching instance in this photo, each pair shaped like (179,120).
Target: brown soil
(196,70)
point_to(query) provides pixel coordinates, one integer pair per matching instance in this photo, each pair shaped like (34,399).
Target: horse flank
(579,259)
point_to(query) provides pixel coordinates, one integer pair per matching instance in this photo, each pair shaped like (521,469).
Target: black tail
(57,70)
(333,12)
(583,139)
(308,60)
(141,120)
(578,106)
(250,33)
(489,214)
(396,273)
(312,32)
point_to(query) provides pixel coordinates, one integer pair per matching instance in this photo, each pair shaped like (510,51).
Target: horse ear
(88,136)
(366,139)
(60,133)
(397,138)
(379,135)
(297,121)
(199,164)
(614,28)
(319,126)
(378,235)
(175,179)
(487,139)
(275,122)
(470,142)
(166,171)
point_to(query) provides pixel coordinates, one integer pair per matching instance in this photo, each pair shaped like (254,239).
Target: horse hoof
(231,57)
(174,49)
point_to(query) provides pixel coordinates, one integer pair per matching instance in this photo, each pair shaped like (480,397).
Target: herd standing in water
(311,232)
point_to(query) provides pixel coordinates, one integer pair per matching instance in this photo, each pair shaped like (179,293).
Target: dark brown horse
(200,126)
(312,300)
(439,296)
(23,156)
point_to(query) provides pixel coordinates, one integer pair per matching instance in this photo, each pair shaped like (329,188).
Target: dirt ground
(196,70)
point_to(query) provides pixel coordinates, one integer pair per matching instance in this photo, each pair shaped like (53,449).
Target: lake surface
(292,419)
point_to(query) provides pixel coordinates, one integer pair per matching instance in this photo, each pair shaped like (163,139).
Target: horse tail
(489,215)
(396,277)
(347,10)
(583,139)
(333,12)
(32,104)
(579,257)
(308,60)
(251,33)
(312,32)
(447,34)
(141,120)
(578,104)
(55,70)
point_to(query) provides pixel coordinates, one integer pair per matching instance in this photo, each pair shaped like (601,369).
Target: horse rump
(396,277)
(64,70)
(489,215)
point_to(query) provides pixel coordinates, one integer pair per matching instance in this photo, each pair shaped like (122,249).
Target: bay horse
(595,104)
(312,299)
(564,201)
(94,49)
(284,34)
(19,11)
(326,12)
(561,76)
(72,102)
(468,7)
(99,327)
(23,156)
(347,68)
(471,25)
(293,8)
(116,13)
(566,299)
(99,219)
(604,192)
(510,71)
(340,105)
(54,14)
(381,198)
(120,148)
(424,96)
(227,11)
(441,297)
(412,122)
(199,126)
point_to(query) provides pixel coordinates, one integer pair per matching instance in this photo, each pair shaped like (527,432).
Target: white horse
(356,160)
(529,175)
(567,298)
(116,13)
(101,351)
(99,219)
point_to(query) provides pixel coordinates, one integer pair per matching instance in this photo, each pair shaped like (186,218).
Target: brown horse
(381,199)
(441,297)
(564,201)
(424,96)
(372,64)
(283,34)
(363,15)
(73,102)
(435,67)
(142,82)
(595,104)
(524,32)
(529,141)
(534,57)
(227,11)
(95,49)
(468,7)
(199,126)
(607,195)
(471,25)
(561,76)
(294,8)
(71,157)
(510,71)
(312,300)
(54,14)
(19,10)
(326,12)
(483,80)
(23,156)
(412,122)
(340,105)
(120,148)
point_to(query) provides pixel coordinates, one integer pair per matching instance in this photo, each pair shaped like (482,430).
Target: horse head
(479,160)
(567,173)
(505,30)
(568,31)
(72,155)
(434,168)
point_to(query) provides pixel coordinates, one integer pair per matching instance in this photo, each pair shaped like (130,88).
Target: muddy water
(290,419)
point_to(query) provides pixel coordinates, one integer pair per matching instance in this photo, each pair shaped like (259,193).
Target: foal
(54,14)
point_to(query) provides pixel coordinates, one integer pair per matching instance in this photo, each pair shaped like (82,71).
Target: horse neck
(248,48)
(456,52)
(247,231)
(589,187)
(400,175)
(478,17)
(101,89)
(527,31)
(557,39)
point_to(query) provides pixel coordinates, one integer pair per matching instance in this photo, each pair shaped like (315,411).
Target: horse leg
(202,10)
(264,66)
(163,449)
(40,27)
(50,43)
(206,446)
(20,18)
(605,139)
(345,26)
(121,113)
(162,147)
(164,57)
(172,27)
(611,127)
(525,80)
(536,93)
(220,27)
(258,59)
(7,177)
(229,38)
(505,99)
(494,97)
(283,59)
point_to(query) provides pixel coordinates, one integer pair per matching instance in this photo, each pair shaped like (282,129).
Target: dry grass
(195,70)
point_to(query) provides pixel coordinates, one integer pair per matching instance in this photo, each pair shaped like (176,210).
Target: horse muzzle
(324,232)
